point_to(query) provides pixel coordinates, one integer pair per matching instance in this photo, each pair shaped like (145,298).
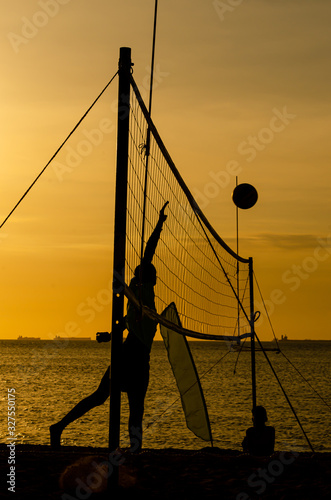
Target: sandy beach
(165,473)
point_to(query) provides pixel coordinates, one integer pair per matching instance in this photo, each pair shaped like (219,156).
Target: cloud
(289,241)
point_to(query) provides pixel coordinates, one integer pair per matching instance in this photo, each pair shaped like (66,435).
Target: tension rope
(148,138)
(179,397)
(307,381)
(287,359)
(57,151)
(276,376)
(284,392)
(266,311)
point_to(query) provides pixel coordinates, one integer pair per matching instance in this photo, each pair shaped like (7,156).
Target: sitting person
(259,439)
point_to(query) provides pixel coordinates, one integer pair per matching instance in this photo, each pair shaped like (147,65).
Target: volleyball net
(196,269)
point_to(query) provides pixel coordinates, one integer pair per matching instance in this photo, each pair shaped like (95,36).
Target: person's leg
(97,398)
(136,404)
(136,397)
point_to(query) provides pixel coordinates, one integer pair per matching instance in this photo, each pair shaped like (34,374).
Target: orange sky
(246,86)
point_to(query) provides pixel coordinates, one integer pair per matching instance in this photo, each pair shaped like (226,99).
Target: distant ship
(283,337)
(57,337)
(28,338)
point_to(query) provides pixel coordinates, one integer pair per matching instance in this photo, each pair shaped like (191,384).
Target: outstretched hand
(163,216)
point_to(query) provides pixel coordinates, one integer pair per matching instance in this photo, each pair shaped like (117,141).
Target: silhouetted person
(135,351)
(259,439)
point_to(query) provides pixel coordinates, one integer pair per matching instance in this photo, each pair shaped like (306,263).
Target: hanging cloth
(186,376)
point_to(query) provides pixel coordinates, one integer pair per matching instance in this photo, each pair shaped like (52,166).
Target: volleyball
(244,196)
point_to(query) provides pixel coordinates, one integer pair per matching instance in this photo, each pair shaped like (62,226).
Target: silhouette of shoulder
(259,441)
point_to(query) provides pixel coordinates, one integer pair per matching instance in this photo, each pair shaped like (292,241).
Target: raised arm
(154,237)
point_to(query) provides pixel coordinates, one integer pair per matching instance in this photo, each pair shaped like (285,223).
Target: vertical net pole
(237,235)
(251,293)
(119,245)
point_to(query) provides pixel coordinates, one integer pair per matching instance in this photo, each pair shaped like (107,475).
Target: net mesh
(195,269)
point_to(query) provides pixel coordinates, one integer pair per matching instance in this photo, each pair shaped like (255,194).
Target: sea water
(50,377)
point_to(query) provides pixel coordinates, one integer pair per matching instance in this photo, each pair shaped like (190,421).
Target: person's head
(259,415)
(147,274)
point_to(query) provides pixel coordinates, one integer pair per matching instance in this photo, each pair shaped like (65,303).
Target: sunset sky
(237,83)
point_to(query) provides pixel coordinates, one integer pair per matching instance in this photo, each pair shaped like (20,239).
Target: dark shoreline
(272,341)
(173,473)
